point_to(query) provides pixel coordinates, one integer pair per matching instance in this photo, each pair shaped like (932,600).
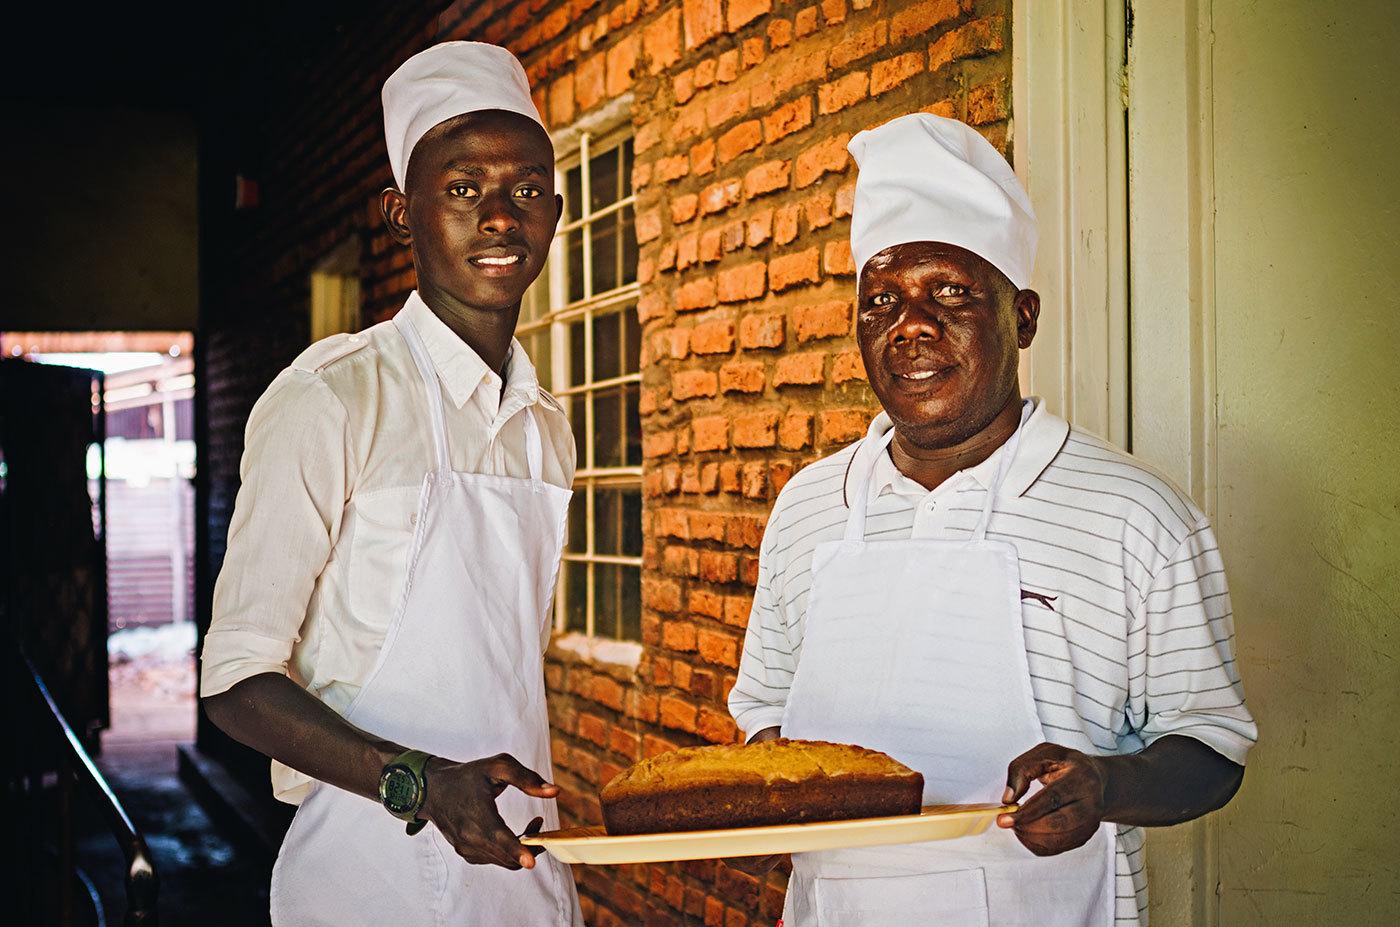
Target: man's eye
(950,291)
(462,189)
(882,299)
(528,193)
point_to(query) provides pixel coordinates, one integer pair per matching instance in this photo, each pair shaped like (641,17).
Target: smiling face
(939,329)
(478,208)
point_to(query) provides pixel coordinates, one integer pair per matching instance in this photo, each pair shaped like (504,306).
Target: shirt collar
(461,369)
(1043,436)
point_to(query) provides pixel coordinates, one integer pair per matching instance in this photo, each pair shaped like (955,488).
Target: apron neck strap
(534,452)
(424,364)
(868,453)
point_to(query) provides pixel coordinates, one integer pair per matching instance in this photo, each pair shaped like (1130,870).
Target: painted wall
(103,229)
(1307,233)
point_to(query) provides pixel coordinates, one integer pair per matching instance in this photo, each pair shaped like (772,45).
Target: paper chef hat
(444,81)
(927,178)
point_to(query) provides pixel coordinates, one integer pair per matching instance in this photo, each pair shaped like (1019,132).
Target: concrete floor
(205,879)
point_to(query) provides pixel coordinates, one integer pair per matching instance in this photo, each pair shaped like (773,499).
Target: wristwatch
(403,788)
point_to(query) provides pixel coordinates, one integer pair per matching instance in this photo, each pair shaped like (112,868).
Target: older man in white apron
(989,595)
(380,619)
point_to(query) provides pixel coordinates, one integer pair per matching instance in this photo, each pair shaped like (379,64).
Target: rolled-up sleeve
(295,473)
(1190,682)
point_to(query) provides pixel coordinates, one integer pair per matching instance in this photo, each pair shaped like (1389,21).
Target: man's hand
(461,803)
(1066,812)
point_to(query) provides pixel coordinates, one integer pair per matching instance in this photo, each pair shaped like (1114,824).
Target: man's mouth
(500,261)
(923,376)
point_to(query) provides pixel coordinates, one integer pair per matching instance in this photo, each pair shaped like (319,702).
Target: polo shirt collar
(1044,435)
(461,369)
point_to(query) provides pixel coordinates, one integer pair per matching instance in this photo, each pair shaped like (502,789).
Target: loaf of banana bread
(777,782)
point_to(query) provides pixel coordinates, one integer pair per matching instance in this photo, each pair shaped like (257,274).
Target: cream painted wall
(1307,302)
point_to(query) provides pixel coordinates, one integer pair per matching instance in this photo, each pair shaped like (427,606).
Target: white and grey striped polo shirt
(1136,641)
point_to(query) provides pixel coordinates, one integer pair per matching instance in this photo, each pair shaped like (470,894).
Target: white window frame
(588,478)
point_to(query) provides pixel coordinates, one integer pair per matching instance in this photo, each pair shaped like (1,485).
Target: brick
(648,226)
(622,65)
(690,384)
(757,429)
(805,22)
(995,135)
(716,727)
(922,17)
(808,68)
(787,119)
(718,197)
(702,21)
(817,209)
(979,37)
(673,168)
(678,635)
(732,237)
(697,294)
(766,178)
(684,208)
(758,228)
(710,241)
(857,45)
(845,200)
(689,122)
(671,523)
(651,306)
(705,603)
(837,260)
(831,319)
(683,85)
(743,12)
(790,270)
(843,92)
(726,106)
(834,12)
(658,444)
(589,86)
(847,366)
(779,33)
(889,74)
(702,157)
(713,337)
(746,136)
(744,282)
(688,251)
(647,138)
(661,41)
(779,472)
(593,729)
(729,476)
(753,52)
(719,648)
(785,223)
(799,370)
(987,103)
(741,377)
(705,73)
(709,478)
(841,426)
(561,100)
(678,714)
(761,330)
(727,66)
(718,566)
(755,480)
(710,433)
(825,157)
(795,431)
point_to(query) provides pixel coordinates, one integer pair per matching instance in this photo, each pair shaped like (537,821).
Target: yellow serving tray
(593,846)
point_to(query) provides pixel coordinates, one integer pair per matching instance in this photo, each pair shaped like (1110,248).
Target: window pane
(576,353)
(573,251)
(575,586)
(630,614)
(607,520)
(573,194)
(607,346)
(603,179)
(605,256)
(632,346)
(628,269)
(633,419)
(609,437)
(579,423)
(538,346)
(626,148)
(577,539)
(612,599)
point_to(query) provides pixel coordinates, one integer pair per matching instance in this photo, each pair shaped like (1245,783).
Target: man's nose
(497,215)
(914,325)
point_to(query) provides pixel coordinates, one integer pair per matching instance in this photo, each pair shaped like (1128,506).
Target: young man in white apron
(987,594)
(380,619)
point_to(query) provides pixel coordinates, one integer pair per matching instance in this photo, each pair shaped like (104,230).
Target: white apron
(916,648)
(460,675)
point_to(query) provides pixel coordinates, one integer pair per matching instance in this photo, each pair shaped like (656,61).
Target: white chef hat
(444,81)
(927,178)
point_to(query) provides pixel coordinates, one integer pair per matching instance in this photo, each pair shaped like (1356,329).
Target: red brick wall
(741,111)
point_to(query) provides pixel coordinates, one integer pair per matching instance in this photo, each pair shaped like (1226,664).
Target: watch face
(398,790)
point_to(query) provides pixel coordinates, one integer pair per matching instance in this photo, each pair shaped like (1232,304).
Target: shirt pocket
(376,568)
(948,899)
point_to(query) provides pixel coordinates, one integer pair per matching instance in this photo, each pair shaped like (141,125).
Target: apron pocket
(945,899)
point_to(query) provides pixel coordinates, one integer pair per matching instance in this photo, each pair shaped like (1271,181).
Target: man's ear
(394,205)
(558,209)
(1027,307)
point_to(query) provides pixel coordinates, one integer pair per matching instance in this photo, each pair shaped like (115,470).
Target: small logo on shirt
(1040,597)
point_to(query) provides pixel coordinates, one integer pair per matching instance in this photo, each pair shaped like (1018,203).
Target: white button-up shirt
(333,464)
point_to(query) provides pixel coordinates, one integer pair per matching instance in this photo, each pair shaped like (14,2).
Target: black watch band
(403,788)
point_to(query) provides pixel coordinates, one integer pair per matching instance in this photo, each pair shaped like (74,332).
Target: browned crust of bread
(781,782)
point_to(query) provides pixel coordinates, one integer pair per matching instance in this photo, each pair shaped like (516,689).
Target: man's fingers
(506,768)
(530,830)
(1027,768)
